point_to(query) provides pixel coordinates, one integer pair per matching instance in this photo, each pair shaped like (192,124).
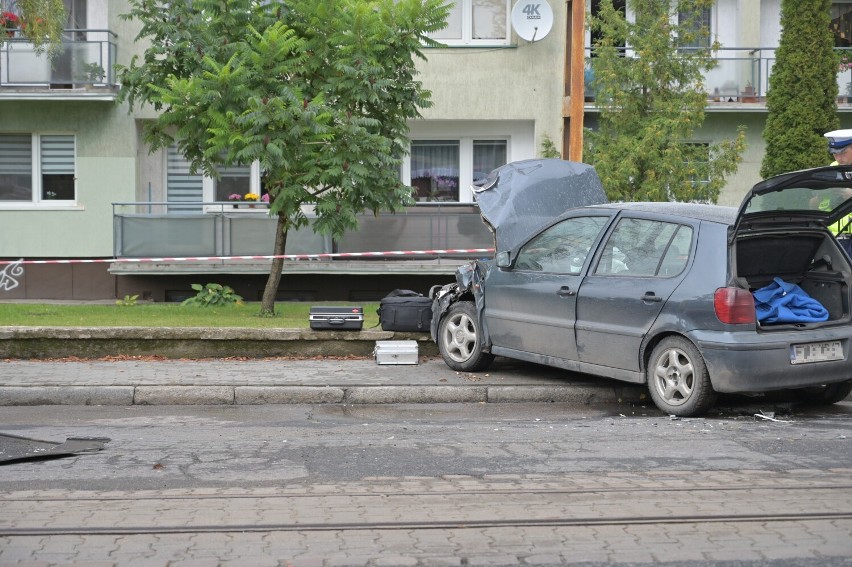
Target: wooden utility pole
(572,104)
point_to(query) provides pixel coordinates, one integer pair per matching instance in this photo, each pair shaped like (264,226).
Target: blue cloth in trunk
(784,302)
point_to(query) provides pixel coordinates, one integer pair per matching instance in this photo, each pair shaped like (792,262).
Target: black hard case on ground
(408,311)
(345,318)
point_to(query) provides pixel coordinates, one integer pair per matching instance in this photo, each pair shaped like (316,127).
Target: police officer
(840,147)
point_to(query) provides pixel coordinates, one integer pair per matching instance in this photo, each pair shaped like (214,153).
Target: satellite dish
(532,19)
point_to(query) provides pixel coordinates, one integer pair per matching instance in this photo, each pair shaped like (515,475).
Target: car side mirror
(503,259)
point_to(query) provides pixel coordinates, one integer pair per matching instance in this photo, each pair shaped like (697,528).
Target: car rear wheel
(677,378)
(830,394)
(460,339)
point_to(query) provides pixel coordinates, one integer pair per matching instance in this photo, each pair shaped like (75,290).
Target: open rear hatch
(781,232)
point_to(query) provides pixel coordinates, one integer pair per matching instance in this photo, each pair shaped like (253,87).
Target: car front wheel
(460,339)
(677,378)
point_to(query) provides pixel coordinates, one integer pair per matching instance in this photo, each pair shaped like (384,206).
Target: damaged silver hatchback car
(659,293)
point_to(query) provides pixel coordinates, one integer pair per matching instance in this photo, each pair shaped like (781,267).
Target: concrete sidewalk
(165,366)
(292,381)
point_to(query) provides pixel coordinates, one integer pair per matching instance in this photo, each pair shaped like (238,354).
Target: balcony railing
(159,229)
(86,59)
(741,76)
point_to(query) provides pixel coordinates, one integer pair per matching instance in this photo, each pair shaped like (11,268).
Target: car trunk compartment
(813,261)
(830,289)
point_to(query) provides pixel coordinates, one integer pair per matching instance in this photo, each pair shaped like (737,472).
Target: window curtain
(181,185)
(488,155)
(234,180)
(489,19)
(453,29)
(16,167)
(435,169)
(57,167)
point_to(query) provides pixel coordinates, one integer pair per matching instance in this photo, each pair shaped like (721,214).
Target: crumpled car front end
(468,286)
(516,201)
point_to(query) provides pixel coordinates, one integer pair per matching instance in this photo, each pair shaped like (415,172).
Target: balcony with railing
(83,68)
(160,230)
(741,79)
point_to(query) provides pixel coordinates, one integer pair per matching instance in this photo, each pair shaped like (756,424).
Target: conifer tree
(802,94)
(651,102)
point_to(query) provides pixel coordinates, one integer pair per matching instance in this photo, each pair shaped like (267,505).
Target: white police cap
(838,140)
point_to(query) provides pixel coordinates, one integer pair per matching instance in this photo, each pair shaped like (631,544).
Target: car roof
(696,211)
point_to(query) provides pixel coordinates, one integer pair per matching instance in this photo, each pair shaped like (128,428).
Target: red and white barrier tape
(284,256)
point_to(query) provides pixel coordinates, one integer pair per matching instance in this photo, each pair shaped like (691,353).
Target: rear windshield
(819,201)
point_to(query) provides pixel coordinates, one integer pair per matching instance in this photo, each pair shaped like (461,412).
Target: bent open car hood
(821,195)
(517,199)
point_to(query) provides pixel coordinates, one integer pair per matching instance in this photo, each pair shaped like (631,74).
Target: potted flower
(10,22)
(251,198)
(748,94)
(234,197)
(265,198)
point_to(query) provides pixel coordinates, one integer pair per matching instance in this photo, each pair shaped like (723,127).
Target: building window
(697,164)
(435,170)
(488,155)
(696,28)
(476,22)
(841,23)
(440,168)
(37,169)
(185,190)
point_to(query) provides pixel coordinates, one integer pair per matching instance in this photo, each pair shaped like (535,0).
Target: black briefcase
(345,318)
(405,310)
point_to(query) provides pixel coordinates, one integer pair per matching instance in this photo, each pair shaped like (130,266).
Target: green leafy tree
(319,92)
(42,22)
(802,94)
(651,102)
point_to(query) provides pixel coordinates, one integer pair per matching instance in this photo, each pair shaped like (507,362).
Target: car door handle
(565,291)
(651,296)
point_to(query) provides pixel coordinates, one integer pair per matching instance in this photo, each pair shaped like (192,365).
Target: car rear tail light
(734,305)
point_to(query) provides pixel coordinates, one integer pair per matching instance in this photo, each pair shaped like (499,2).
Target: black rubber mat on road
(15,449)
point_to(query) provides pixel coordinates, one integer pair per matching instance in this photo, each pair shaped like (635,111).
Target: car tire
(460,339)
(678,380)
(826,395)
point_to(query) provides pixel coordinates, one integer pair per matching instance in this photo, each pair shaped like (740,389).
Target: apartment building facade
(80,191)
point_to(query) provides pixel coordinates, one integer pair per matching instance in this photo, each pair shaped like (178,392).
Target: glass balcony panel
(79,63)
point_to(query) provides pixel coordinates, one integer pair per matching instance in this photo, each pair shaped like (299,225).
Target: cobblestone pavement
(750,517)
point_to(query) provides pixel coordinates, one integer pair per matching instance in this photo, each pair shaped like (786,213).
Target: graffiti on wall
(9,274)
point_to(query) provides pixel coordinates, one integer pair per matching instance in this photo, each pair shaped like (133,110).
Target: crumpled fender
(468,284)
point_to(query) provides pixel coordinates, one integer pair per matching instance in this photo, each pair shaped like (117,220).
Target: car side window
(562,248)
(641,247)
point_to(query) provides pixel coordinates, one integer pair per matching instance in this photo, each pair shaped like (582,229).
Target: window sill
(474,46)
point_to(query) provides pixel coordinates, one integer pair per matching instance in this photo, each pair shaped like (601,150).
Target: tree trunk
(267,304)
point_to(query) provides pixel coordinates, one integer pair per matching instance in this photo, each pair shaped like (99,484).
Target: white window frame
(465,162)
(467,39)
(208,189)
(36,201)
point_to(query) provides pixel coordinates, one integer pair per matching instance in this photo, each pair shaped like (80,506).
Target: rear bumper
(752,362)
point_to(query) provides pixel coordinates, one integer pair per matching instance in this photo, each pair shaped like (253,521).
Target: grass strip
(288,315)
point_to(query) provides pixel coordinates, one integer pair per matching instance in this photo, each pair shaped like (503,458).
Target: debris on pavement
(15,449)
(769,416)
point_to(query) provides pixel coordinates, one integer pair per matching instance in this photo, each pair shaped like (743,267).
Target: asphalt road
(451,484)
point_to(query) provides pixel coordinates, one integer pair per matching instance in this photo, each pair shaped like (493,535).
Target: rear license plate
(816,352)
